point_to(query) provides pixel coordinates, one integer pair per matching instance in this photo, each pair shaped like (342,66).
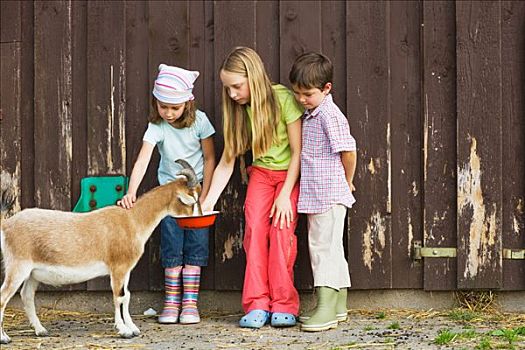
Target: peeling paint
(231,245)
(59,195)
(410,235)
(111,118)
(415,191)
(122,111)
(374,239)
(228,248)
(516,225)
(371,167)
(425,141)
(367,247)
(482,230)
(389,160)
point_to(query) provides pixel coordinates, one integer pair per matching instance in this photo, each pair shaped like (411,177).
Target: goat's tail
(7,200)
(7,196)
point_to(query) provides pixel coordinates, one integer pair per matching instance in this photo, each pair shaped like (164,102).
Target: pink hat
(174,85)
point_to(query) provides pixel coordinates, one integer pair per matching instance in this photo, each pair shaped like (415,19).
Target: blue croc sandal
(255,319)
(280,319)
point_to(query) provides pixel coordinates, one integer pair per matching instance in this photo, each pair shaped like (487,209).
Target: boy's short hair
(311,70)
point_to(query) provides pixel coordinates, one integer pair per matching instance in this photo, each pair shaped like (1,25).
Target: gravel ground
(379,329)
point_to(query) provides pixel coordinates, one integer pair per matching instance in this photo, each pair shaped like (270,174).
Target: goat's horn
(187,171)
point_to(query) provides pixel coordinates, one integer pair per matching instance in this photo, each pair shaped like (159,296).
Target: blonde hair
(186,120)
(266,113)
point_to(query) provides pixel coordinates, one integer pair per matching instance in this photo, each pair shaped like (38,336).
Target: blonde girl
(180,131)
(265,119)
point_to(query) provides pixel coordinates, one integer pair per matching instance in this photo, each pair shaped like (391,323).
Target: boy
(328,161)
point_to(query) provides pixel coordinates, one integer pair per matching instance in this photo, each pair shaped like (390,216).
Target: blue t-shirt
(176,144)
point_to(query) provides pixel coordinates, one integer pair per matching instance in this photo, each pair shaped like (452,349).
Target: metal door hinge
(514,254)
(419,252)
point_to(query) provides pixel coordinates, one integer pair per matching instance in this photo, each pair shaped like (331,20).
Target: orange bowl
(207,219)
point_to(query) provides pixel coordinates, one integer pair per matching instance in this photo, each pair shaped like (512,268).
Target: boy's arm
(208,152)
(349,160)
(139,169)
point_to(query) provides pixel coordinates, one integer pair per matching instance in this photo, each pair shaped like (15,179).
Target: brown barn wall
(433,91)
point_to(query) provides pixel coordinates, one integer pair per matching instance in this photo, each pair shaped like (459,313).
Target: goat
(56,247)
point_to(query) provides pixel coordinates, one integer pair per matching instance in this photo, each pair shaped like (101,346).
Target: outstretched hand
(128,201)
(206,205)
(282,212)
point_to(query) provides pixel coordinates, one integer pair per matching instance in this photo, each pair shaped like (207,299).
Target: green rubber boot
(341,309)
(307,314)
(324,316)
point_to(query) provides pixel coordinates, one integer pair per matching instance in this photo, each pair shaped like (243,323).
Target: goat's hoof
(42,332)
(4,339)
(133,328)
(126,335)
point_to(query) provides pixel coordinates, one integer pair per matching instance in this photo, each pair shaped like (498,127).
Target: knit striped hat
(174,85)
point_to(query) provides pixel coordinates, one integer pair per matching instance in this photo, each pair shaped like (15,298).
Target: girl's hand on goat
(352,187)
(127,201)
(282,208)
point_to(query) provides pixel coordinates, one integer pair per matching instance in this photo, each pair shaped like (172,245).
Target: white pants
(325,242)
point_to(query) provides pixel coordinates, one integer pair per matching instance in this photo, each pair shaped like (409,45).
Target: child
(328,161)
(266,119)
(181,132)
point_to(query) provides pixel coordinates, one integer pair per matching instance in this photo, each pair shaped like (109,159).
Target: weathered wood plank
(439,141)
(267,38)
(79,105)
(234,25)
(10,119)
(200,53)
(137,106)
(106,88)
(479,140)
(27,119)
(53,103)
(513,167)
(370,255)
(168,43)
(300,32)
(106,94)
(10,21)
(333,45)
(53,99)
(406,126)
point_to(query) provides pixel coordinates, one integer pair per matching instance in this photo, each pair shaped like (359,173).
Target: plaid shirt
(326,133)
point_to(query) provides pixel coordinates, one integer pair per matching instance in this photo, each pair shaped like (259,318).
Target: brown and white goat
(56,247)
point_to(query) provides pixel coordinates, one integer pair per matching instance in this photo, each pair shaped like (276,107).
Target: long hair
(238,137)
(186,120)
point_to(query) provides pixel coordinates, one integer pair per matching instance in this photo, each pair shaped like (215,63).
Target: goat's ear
(186,199)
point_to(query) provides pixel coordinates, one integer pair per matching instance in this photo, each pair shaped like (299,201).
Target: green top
(279,155)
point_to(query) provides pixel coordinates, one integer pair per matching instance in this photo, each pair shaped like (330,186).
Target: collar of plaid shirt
(315,112)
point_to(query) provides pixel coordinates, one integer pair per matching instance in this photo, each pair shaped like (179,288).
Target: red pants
(270,251)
